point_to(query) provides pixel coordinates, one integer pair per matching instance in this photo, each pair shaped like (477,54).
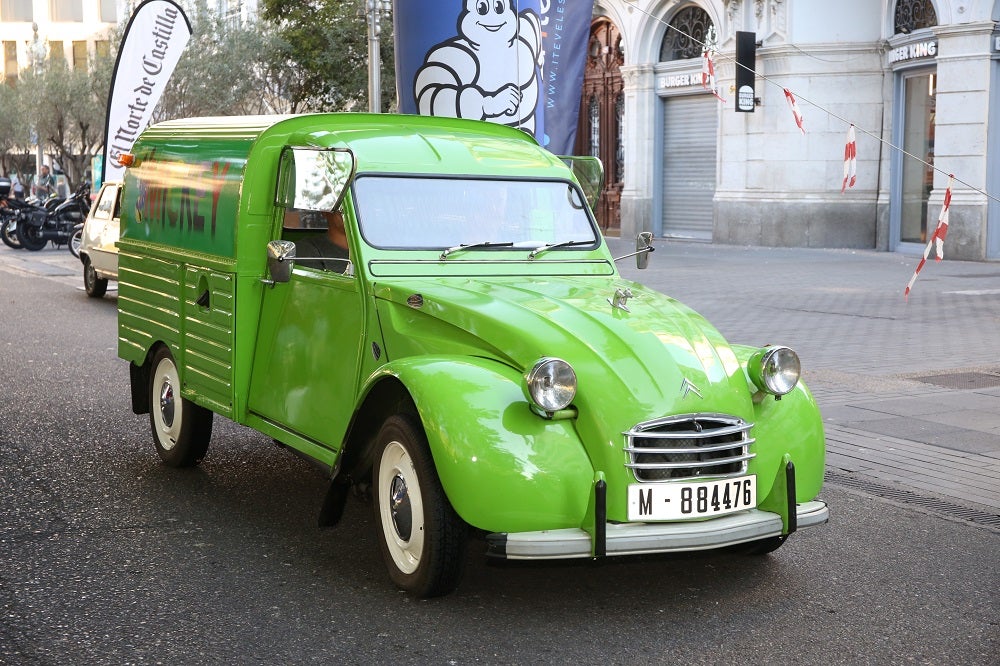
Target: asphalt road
(107,557)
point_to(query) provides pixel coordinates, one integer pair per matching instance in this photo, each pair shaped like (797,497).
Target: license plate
(677,501)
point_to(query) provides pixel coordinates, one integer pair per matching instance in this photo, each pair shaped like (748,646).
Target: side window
(107,207)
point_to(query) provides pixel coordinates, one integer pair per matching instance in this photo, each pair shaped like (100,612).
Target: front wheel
(181,429)
(422,539)
(95,286)
(76,240)
(8,234)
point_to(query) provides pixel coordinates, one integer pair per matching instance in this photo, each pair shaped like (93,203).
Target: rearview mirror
(643,246)
(280,259)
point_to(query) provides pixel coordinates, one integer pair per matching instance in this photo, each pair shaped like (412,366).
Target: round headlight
(775,369)
(551,384)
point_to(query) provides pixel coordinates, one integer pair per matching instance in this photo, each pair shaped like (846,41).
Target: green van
(426,307)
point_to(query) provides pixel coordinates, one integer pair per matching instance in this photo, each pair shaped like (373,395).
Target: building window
(16,10)
(913,15)
(690,31)
(102,48)
(66,11)
(594,120)
(109,11)
(56,52)
(80,56)
(10,67)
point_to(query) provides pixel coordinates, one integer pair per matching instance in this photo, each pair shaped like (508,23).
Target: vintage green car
(427,308)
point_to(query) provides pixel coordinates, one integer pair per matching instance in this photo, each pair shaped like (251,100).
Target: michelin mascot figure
(489,71)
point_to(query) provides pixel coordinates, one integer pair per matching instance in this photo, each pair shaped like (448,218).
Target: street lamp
(375,11)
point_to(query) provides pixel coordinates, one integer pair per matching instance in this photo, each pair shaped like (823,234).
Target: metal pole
(374,60)
(375,11)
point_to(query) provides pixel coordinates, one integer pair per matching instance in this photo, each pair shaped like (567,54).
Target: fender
(503,467)
(790,426)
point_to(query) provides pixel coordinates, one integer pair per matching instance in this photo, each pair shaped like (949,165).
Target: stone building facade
(919,79)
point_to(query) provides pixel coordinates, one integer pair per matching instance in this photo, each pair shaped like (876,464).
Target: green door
(307,359)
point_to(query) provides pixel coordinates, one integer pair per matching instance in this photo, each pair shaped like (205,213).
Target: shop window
(913,15)
(690,31)
(67,11)
(16,10)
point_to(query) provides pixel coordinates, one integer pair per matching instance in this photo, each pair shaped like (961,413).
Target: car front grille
(689,446)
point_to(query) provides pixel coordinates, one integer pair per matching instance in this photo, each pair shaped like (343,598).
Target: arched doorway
(602,108)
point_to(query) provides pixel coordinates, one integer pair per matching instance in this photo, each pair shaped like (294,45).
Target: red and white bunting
(708,75)
(850,161)
(795,109)
(937,238)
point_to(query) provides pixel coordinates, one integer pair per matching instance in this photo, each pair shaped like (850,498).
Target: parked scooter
(38,226)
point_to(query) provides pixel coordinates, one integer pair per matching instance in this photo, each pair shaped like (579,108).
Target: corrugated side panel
(148,305)
(209,306)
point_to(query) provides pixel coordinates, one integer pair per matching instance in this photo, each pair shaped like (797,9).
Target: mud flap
(596,523)
(781,499)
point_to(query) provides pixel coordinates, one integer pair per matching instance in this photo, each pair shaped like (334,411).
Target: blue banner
(512,62)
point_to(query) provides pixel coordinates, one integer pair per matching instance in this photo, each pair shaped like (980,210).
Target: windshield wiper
(471,246)
(551,246)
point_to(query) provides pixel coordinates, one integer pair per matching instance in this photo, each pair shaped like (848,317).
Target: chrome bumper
(643,538)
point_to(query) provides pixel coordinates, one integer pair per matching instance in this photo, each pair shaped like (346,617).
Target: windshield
(406,212)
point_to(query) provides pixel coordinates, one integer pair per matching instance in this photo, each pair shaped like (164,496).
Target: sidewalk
(909,391)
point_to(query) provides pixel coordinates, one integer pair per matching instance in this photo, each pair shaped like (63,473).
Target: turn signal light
(126,159)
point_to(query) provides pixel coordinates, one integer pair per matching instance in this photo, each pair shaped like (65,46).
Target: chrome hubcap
(400,509)
(167,404)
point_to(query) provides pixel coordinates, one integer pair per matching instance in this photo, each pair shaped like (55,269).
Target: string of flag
(850,160)
(850,151)
(795,110)
(937,238)
(708,75)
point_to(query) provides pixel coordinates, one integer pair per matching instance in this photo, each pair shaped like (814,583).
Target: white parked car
(98,249)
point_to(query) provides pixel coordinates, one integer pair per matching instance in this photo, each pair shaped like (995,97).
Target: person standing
(44,185)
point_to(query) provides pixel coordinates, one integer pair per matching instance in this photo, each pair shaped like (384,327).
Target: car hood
(658,358)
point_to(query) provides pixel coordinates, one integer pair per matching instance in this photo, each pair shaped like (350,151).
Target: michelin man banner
(512,62)
(151,46)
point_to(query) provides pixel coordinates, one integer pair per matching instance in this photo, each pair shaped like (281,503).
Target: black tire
(422,539)
(764,546)
(76,240)
(31,237)
(181,429)
(9,238)
(96,286)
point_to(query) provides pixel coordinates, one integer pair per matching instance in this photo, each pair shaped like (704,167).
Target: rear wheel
(422,539)
(30,236)
(181,429)
(95,286)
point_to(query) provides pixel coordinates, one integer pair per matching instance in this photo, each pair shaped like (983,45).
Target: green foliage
(325,43)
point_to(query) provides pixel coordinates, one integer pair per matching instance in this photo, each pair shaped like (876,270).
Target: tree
(325,42)
(67,113)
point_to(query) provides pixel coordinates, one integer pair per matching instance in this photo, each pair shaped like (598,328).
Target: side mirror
(280,259)
(643,246)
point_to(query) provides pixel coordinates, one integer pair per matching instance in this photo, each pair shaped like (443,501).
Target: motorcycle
(54,221)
